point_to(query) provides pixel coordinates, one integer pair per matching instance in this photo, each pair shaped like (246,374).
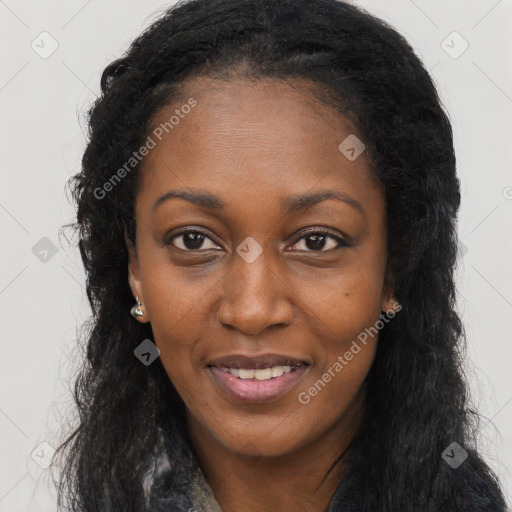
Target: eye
(316,241)
(191,240)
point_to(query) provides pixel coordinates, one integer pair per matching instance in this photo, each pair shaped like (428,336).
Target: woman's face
(260,279)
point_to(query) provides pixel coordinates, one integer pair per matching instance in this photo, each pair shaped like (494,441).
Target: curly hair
(417,400)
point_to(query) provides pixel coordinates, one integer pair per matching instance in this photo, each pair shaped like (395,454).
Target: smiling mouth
(257,385)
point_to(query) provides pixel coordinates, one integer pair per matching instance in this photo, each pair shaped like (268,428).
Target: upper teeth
(261,374)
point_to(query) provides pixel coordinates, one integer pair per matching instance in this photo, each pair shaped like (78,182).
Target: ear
(388,300)
(134,279)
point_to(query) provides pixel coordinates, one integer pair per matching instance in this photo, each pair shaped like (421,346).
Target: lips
(242,361)
(253,391)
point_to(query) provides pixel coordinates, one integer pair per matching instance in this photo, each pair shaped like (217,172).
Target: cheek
(170,293)
(344,303)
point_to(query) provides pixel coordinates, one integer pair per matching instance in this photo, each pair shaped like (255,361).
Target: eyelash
(317,231)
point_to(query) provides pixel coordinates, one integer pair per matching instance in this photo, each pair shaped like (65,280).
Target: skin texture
(253,144)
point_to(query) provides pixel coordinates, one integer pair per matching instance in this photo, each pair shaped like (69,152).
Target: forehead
(267,137)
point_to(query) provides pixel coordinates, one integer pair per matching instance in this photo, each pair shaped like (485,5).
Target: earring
(136,310)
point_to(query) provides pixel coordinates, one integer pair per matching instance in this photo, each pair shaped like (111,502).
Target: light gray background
(43,302)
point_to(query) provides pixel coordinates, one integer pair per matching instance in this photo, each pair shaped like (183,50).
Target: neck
(301,480)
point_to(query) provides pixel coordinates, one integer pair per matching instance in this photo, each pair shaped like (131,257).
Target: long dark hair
(417,403)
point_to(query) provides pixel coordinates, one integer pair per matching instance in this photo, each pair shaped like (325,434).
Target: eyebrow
(296,203)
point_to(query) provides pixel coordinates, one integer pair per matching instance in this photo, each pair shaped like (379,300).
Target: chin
(269,442)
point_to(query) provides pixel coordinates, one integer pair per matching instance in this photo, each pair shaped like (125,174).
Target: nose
(254,297)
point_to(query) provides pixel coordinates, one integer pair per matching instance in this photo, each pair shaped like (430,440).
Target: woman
(269,189)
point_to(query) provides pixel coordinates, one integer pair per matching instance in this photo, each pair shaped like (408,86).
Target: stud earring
(136,310)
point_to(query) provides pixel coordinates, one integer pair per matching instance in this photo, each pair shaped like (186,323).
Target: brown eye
(317,241)
(192,240)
